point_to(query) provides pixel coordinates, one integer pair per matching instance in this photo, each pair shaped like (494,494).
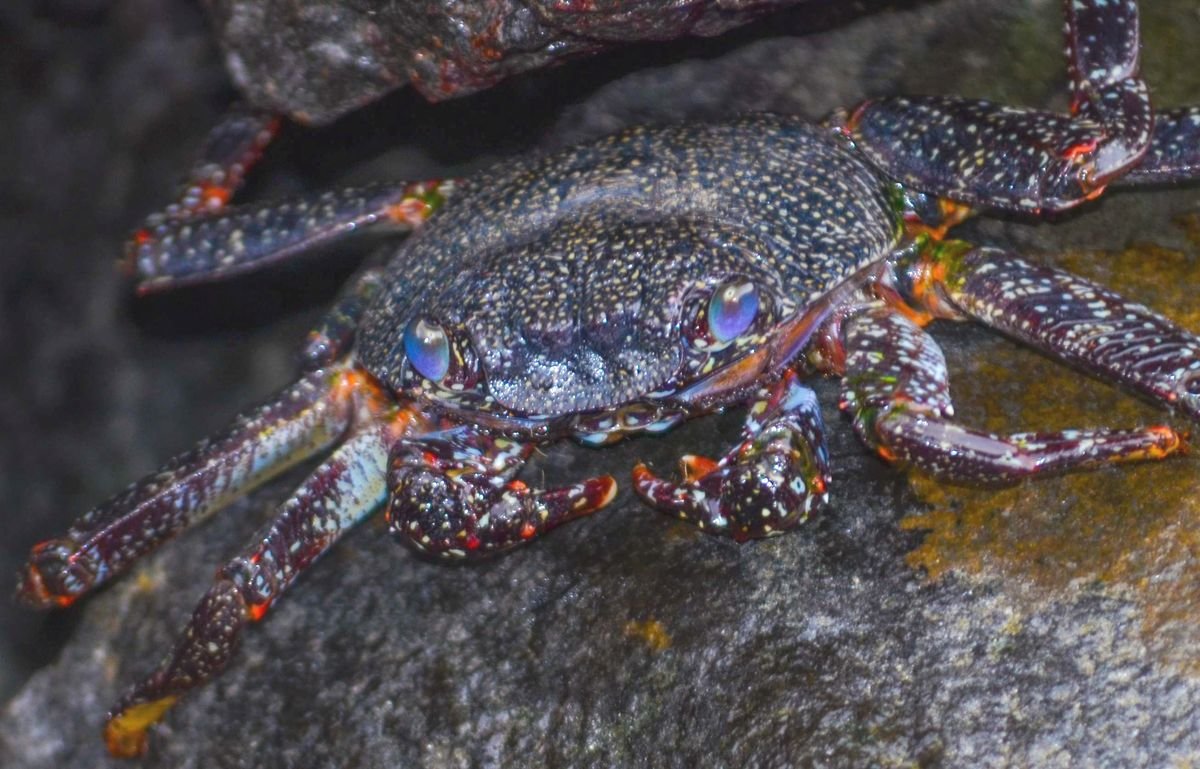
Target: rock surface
(627,639)
(318,59)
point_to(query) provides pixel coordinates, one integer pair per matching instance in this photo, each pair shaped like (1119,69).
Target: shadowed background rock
(916,624)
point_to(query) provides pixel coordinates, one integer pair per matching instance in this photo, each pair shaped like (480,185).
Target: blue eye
(732,309)
(427,348)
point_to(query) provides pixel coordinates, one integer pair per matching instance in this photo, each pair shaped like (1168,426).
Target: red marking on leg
(410,212)
(693,467)
(853,119)
(355,385)
(33,592)
(1169,442)
(598,492)
(139,240)
(56,575)
(1082,148)
(213,197)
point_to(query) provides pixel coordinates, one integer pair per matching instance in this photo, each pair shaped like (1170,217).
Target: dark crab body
(623,286)
(576,304)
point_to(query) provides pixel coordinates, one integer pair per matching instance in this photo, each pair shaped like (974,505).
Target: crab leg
(344,490)
(986,154)
(235,240)
(333,335)
(769,483)
(453,494)
(297,423)
(1174,154)
(233,146)
(1072,319)
(897,391)
(200,238)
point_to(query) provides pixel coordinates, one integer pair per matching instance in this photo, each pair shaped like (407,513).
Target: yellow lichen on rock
(1130,530)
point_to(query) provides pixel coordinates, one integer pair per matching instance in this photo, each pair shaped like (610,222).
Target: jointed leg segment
(1080,323)
(201,238)
(198,249)
(897,391)
(233,146)
(996,156)
(299,422)
(452,493)
(344,490)
(896,385)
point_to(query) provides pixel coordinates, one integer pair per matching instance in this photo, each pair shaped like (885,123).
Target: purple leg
(1078,322)
(300,421)
(1174,154)
(897,391)
(233,146)
(343,491)
(990,155)
(200,238)
(231,149)
(453,495)
(769,483)
(334,334)
(200,249)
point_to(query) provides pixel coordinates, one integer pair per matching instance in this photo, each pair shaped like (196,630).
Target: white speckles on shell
(567,271)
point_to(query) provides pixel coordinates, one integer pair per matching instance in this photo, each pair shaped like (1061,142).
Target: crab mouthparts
(732,378)
(584,380)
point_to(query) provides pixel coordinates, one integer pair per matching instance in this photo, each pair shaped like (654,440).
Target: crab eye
(428,348)
(732,309)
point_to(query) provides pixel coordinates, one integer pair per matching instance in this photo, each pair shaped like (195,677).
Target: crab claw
(453,495)
(454,518)
(769,483)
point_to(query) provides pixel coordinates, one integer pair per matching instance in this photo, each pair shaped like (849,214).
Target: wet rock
(317,59)
(626,639)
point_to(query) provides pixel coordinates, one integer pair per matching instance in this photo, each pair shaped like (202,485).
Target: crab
(622,287)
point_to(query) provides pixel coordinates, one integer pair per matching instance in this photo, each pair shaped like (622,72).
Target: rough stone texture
(317,59)
(625,640)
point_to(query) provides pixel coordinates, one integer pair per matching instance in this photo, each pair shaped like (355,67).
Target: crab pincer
(771,482)
(453,495)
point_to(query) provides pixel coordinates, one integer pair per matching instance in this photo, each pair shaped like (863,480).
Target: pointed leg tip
(125,732)
(588,497)
(1169,441)
(54,577)
(31,591)
(602,491)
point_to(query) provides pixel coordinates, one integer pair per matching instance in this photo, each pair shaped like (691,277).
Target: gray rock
(623,640)
(318,59)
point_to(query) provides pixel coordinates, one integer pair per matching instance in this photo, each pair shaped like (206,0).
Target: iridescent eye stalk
(732,309)
(427,348)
